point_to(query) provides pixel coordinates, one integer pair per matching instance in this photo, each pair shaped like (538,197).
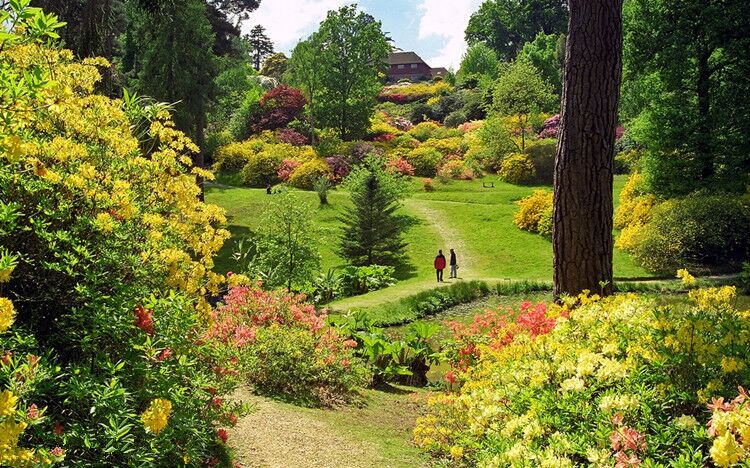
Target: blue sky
(434,29)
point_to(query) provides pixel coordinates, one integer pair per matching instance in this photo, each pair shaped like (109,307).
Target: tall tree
(522,92)
(545,53)
(351,53)
(479,62)
(92,25)
(506,25)
(687,91)
(304,72)
(169,61)
(275,66)
(582,213)
(260,44)
(372,229)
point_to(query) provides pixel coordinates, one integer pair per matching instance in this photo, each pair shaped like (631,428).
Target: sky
(434,29)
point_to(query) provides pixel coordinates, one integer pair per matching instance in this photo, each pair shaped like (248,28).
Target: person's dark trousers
(439,275)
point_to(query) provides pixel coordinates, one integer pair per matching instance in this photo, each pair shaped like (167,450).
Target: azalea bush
(517,169)
(107,255)
(616,381)
(404,93)
(535,213)
(285,347)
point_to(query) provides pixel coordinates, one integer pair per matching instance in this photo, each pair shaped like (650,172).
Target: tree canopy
(506,25)
(347,55)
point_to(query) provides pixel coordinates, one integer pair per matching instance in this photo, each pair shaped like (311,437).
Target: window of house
(400,67)
(413,65)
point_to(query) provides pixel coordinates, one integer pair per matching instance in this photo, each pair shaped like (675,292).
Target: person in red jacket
(440,265)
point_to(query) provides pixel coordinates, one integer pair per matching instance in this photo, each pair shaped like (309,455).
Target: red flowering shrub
(496,328)
(384,138)
(400,166)
(292,137)
(397,98)
(286,347)
(287,167)
(277,108)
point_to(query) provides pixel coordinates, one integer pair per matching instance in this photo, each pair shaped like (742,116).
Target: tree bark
(582,213)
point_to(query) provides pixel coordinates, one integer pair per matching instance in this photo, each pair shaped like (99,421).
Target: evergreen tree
(348,52)
(261,45)
(372,229)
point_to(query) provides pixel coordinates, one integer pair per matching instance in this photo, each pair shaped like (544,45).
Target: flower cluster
(617,381)
(730,427)
(156,416)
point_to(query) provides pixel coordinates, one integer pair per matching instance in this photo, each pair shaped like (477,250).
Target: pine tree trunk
(582,215)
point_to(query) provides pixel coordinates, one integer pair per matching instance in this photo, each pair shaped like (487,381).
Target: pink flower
(164,354)
(33,411)
(57,452)
(144,319)
(350,343)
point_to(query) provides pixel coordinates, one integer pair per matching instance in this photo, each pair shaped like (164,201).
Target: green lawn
(476,221)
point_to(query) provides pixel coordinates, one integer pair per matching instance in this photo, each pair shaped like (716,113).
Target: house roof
(403,58)
(439,71)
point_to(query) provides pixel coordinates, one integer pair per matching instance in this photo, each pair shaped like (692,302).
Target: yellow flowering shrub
(517,169)
(532,210)
(611,380)
(730,427)
(107,252)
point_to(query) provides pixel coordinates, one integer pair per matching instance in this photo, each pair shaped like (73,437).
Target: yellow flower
(105,223)
(155,418)
(7,403)
(457,452)
(688,280)
(731,364)
(7,313)
(725,450)
(685,422)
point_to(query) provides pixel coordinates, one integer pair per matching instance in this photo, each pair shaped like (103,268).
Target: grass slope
(476,221)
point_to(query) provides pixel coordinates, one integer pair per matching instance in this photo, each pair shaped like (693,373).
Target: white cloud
(446,19)
(289,21)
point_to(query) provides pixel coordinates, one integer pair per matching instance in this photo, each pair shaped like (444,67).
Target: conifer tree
(261,44)
(372,229)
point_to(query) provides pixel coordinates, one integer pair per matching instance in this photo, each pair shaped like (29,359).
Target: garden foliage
(107,256)
(611,381)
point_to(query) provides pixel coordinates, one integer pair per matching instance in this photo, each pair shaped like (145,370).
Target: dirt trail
(450,237)
(277,436)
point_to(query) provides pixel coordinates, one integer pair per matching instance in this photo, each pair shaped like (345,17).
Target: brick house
(411,66)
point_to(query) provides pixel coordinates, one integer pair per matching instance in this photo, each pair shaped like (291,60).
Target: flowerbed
(616,381)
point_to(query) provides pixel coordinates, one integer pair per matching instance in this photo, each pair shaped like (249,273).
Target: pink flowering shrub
(399,166)
(286,347)
(287,168)
(551,127)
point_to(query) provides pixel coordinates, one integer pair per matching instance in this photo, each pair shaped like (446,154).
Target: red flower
(33,411)
(58,429)
(211,390)
(450,377)
(222,433)
(216,401)
(6,358)
(232,418)
(144,319)
(164,354)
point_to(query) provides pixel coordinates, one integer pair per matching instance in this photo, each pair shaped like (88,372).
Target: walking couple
(440,265)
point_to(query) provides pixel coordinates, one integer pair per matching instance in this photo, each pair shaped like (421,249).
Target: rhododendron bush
(105,268)
(598,382)
(286,347)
